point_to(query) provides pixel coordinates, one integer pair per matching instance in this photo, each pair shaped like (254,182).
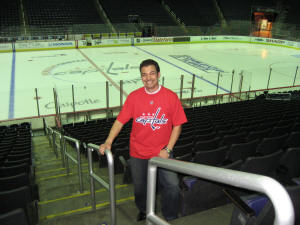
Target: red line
(104,74)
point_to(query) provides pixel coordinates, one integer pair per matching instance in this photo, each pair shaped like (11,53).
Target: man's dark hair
(149,62)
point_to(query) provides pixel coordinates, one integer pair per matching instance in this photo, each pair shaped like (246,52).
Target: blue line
(182,69)
(12,88)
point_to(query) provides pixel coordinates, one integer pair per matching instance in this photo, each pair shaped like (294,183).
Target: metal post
(232,76)
(37,101)
(295,76)
(241,84)
(218,83)
(121,93)
(77,161)
(55,101)
(65,156)
(92,183)
(73,98)
(181,86)
(269,78)
(249,92)
(61,147)
(59,119)
(107,99)
(193,88)
(110,186)
(77,144)
(54,143)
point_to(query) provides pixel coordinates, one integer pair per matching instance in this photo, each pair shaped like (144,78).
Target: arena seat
(207,145)
(289,166)
(271,145)
(215,157)
(199,194)
(266,214)
(293,140)
(242,150)
(263,165)
(20,198)
(14,217)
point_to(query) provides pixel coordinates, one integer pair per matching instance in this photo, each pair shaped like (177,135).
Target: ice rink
(89,69)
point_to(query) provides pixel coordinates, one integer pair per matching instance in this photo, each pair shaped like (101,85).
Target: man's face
(150,78)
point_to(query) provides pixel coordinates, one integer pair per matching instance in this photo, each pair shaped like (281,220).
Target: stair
(62,203)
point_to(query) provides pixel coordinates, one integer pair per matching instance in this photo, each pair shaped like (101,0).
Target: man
(157,118)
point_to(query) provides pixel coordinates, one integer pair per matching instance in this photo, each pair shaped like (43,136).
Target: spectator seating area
(257,136)
(231,131)
(9,17)
(243,152)
(292,15)
(148,11)
(60,15)
(233,10)
(18,191)
(193,12)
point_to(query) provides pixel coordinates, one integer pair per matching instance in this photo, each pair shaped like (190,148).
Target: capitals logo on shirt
(153,119)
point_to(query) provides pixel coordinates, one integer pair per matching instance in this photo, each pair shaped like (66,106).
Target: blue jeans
(168,180)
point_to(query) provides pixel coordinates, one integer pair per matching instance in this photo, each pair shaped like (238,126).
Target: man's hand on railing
(104,146)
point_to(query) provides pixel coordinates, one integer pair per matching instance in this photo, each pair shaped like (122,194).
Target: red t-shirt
(154,116)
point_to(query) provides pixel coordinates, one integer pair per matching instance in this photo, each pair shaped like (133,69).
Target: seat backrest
(205,137)
(260,134)
(277,131)
(180,150)
(12,182)
(290,160)
(242,150)
(236,165)
(185,140)
(272,144)
(207,145)
(264,165)
(15,198)
(211,157)
(16,216)
(14,170)
(233,139)
(293,140)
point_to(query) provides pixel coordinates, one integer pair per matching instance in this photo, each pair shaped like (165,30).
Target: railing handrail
(110,186)
(284,210)
(76,161)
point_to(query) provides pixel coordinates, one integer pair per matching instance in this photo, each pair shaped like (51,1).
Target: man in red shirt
(157,118)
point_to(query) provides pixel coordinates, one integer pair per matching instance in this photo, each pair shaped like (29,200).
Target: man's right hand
(103,147)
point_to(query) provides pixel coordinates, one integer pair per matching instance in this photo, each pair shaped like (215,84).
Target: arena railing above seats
(284,210)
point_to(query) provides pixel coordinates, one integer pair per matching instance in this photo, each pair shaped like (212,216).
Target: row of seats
(194,13)
(61,13)
(9,13)
(18,191)
(257,136)
(118,11)
(212,127)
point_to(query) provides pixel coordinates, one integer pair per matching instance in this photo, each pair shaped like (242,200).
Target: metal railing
(58,146)
(284,210)
(52,140)
(109,186)
(76,161)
